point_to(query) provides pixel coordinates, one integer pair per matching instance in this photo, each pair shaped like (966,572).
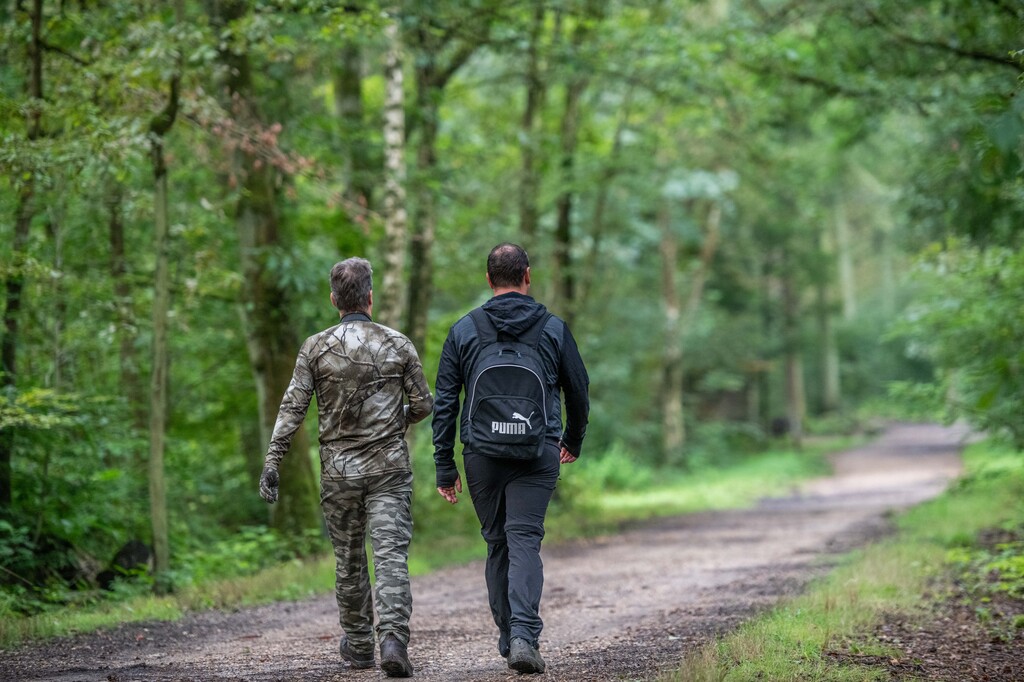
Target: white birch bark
(388,305)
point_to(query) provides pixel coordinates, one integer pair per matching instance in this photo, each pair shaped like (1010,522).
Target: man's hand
(449,493)
(566,457)
(268,484)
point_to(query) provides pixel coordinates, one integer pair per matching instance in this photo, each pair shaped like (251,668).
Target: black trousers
(511,498)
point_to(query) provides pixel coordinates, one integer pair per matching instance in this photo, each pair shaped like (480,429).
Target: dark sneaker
(355,658)
(523,657)
(394,659)
(503,643)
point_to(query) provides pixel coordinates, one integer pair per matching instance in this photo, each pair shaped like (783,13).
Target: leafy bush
(968,323)
(617,468)
(246,552)
(721,443)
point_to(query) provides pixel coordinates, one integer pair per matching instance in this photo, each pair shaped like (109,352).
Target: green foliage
(990,569)
(616,469)
(967,322)
(246,552)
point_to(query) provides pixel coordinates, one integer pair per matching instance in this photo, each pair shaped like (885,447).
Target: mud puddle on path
(621,607)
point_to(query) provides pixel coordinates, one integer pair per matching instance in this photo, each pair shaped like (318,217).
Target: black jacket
(511,314)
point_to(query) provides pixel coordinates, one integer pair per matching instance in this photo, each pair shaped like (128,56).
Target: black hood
(513,313)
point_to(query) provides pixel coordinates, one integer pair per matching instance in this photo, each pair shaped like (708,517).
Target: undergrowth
(936,543)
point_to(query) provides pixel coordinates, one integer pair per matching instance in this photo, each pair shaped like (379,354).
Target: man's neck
(525,291)
(345,313)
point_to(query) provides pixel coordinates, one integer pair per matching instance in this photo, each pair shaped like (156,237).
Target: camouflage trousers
(380,504)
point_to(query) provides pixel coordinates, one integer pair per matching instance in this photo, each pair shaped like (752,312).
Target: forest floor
(627,606)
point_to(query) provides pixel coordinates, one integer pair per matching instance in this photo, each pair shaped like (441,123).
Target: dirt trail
(621,607)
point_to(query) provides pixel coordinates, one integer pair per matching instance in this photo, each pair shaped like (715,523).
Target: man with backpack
(513,359)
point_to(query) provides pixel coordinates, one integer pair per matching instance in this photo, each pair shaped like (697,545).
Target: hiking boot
(354,658)
(394,659)
(523,657)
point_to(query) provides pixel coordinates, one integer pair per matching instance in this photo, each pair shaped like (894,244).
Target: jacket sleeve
(573,379)
(293,409)
(446,411)
(415,384)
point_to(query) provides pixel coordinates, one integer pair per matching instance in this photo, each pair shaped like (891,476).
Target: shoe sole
(525,667)
(396,669)
(362,664)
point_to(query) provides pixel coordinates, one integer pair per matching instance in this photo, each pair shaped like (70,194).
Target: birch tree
(389,305)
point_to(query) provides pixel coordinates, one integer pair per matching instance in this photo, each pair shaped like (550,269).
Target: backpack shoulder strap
(531,337)
(485,330)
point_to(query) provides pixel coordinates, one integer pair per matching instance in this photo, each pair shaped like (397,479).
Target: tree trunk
(273,345)
(389,305)
(564,298)
(432,77)
(831,397)
(421,265)
(60,304)
(348,102)
(131,381)
(844,255)
(159,126)
(601,192)
(709,247)
(158,380)
(269,331)
(794,379)
(886,259)
(763,381)
(15,282)
(673,426)
(529,183)
(677,319)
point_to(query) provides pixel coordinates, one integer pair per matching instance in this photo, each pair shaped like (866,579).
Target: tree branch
(64,53)
(457,61)
(976,55)
(1014,10)
(163,121)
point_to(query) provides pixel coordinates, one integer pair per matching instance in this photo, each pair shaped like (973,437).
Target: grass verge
(890,576)
(582,508)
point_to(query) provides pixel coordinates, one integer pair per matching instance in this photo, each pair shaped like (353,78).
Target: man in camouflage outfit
(360,371)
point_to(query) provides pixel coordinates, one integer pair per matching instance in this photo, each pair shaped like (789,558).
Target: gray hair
(351,284)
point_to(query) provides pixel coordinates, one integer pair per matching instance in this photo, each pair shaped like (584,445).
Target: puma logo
(511,428)
(516,415)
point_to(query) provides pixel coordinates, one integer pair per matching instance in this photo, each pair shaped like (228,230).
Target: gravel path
(616,608)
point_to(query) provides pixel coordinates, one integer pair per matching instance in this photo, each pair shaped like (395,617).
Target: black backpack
(506,394)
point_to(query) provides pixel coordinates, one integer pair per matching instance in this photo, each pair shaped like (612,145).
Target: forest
(764,220)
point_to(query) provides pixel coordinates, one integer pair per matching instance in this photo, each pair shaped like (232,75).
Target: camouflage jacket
(359,371)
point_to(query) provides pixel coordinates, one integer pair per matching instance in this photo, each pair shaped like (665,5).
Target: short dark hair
(507,264)
(351,284)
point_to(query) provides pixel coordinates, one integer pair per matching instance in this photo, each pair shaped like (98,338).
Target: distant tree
(15,278)
(270,333)
(442,37)
(159,126)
